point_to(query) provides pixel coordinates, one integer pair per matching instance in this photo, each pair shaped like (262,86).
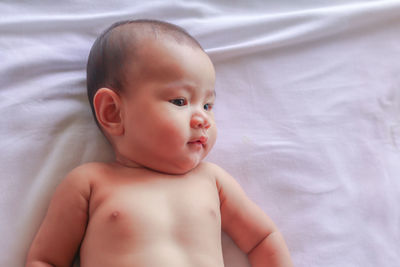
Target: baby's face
(168,118)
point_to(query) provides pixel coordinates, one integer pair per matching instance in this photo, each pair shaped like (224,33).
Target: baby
(151,89)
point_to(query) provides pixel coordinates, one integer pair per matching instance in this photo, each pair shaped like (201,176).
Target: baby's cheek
(175,131)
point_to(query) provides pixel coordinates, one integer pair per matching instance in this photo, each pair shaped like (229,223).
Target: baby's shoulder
(218,173)
(211,169)
(91,168)
(87,173)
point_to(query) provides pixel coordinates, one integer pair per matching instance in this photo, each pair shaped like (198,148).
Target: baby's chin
(173,166)
(178,169)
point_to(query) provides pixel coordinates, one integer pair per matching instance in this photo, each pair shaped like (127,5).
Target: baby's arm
(61,232)
(251,229)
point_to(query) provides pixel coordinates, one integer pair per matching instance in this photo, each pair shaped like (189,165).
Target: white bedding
(308,110)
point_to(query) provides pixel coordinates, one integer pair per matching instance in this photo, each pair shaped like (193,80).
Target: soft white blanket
(308,110)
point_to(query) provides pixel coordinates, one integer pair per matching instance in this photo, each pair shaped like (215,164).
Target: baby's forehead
(143,51)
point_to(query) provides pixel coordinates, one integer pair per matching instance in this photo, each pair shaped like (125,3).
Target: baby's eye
(178,102)
(208,107)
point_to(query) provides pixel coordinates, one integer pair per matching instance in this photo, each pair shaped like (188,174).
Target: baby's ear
(107,105)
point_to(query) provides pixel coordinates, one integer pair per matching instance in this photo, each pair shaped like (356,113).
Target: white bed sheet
(308,110)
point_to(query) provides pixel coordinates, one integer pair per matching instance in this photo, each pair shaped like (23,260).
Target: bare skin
(175,217)
(158,204)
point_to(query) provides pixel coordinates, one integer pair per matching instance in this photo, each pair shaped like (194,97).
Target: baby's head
(151,89)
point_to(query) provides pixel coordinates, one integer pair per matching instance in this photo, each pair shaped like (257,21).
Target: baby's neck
(124,162)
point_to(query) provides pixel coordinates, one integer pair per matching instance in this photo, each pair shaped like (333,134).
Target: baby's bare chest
(155,220)
(156,208)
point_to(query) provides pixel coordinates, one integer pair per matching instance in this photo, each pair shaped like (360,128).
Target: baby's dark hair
(118,45)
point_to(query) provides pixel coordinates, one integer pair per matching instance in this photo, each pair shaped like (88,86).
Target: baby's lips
(202,140)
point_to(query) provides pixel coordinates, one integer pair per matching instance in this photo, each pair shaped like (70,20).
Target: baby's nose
(199,121)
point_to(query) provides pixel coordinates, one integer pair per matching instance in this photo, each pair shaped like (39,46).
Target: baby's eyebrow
(212,93)
(189,88)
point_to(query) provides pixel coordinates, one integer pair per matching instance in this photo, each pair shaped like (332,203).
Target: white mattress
(308,110)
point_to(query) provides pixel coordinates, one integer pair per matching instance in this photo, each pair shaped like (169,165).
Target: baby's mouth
(201,141)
